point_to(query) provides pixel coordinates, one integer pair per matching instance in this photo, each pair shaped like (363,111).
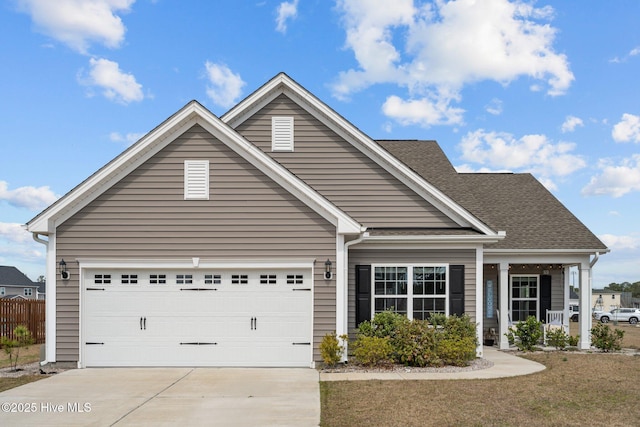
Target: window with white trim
(524,296)
(158,279)
(184,279)
(212,279)
(196,179)
(239,279)
(129,279)
(416,291)
(268,279)
(281,133)
(102,279)
(28,292)
(295,279)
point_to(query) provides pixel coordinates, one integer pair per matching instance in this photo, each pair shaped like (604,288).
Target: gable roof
(191,114)
(283,84)
(517,203)
(11,276)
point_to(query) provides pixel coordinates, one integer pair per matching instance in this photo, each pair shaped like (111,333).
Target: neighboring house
(243,240)
(605,300)
(14,284)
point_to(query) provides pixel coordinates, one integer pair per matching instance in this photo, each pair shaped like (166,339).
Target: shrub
(573,341)
(12,347)
(383,324)
(557,338)
(371,351)
(415,344)
(603,338)
(330,348)
(527,334)
(457,341)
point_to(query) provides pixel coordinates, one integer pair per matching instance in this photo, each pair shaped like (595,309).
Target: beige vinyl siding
(466,257)
(340,172)
(145,216)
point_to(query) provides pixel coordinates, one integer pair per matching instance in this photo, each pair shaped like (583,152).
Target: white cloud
(424,112)
(529,153)
(435,49)
(116,85)
(286,11)
(494,107)
(614,242)
(17,245)
(615,180)
(627,129)
(31,198)
(14,233)
(224,87)
(127,139)
(570,124)
(78,23)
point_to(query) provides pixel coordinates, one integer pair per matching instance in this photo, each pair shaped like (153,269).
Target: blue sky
(547,87)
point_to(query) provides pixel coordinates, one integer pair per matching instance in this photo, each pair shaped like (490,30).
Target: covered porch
(516,286)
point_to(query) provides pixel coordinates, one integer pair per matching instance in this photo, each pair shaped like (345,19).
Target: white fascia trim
(344,223)
(434,239)
(517,252)
(283,84)
(188,263)
(126,162)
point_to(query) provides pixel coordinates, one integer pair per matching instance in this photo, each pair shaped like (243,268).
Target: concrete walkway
(504,365)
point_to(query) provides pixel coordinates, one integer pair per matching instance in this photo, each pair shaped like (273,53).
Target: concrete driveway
(167,396)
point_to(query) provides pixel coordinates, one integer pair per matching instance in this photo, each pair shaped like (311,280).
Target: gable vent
(196,179)
(282,133)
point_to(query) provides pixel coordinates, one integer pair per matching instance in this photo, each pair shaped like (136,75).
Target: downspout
(595,259)
(345,275)
(46,244)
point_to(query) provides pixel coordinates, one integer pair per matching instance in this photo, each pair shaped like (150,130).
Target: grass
(7,383)
(576,389)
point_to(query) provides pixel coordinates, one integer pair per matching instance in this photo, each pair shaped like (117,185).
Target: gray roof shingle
(516,203)
(12,276)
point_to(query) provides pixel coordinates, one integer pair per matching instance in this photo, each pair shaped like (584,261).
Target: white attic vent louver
(196,180)
(282,133)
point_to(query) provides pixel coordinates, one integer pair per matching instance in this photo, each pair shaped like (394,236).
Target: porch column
(567,295)
(504,305)
(479,300)
(585,306)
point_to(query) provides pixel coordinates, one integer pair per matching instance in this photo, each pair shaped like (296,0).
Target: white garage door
(197,318)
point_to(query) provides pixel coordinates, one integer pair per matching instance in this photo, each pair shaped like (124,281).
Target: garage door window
(158,279)
(129,279)
(239,279)
(212,279)
(295,279)
(102,279)
(184,279)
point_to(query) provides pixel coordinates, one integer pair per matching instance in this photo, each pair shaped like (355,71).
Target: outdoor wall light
(328,274)
(64,273)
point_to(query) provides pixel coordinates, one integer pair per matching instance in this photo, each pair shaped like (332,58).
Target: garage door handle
(198,343)
(300,343)
(198,289)
(94,343)
(144,322)
(301,289)
(141,323)
(254,323)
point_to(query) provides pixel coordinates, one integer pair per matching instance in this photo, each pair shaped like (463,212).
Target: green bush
(557,338)
(526,335)
(370,351)
(330,348)
(457,341)
(603,338)
(383,324)
(573,341)
(415,343)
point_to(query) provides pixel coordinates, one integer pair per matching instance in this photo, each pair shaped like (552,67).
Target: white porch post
(567,295)
(342,291)
(479,300)
(504,305)
(585,306)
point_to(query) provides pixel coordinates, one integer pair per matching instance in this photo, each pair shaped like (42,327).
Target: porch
(516,287)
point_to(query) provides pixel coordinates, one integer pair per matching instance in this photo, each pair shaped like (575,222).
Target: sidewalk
(504,365)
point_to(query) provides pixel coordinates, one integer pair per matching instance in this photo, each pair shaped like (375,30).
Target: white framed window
(102,279)
(3,291)
(129,279)
(158,279)
(196,179)
(184,279)
(281,133)
(28,292)
(416,291)
(212,279)
(525,296)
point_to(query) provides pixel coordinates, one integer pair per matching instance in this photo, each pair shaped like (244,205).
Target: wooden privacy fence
(22,312)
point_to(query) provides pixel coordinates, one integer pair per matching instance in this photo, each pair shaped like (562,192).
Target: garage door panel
(258,320)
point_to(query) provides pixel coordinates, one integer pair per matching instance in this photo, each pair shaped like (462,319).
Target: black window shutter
(363,293)
(456,290)
(545,296)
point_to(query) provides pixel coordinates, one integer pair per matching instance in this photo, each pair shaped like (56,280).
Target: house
(243,240)
(606,300)
(15,284)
